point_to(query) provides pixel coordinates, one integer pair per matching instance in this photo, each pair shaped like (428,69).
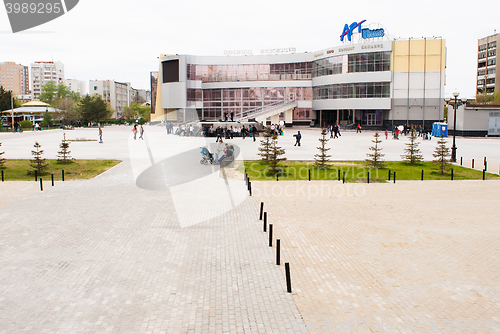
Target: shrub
(26,124)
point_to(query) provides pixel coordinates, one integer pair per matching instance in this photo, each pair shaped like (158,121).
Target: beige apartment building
(487,74)
(43,72)
(14,77)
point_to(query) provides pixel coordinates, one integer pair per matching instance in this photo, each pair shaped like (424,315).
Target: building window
(352,90)
(482,47)
(492,53)
(492,62)
(481,72)
(491,71)
(492,45)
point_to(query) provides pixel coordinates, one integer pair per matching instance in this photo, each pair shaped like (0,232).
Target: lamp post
(455,103)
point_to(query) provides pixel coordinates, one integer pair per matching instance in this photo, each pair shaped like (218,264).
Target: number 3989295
(41,8)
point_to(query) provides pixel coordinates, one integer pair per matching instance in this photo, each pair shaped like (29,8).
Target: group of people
(223,151)
(228,116)
(136,129)
(334,131)
(230,132)
(419,130)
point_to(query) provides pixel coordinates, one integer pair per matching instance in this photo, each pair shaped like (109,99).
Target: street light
(455,103)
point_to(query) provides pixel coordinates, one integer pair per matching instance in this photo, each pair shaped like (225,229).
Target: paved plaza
(161,243)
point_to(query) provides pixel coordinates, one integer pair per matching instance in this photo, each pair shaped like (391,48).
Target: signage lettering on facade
(237,52)
(365,33)
(318,54)
(330,51)
(372,46)
(283,50)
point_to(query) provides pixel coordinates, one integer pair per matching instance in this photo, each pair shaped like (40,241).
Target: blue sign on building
(365,33)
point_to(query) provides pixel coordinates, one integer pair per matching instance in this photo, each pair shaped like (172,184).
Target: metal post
(343,177)
(52,176)
(278,252)
(394,177)
(36,175)
(452,174)
(2,176)
(422,177)
(288,280)
(339,173)
(454,147)
(472,163)
(484,174)
(270,235)
(261,210)
(368,178)
(63,174)
(485,164)
(461,160)
(41,184)
(389,178)
(309,172)
(265,221)
(277,177)
(250,187)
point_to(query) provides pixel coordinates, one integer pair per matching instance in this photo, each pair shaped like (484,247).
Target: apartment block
(14,77)
(117,94)
(487,74)
(43,72)
(77,86)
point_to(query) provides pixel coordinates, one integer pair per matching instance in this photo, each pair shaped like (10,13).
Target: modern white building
(77,86)
(117,94)
(376,82)
(43,72)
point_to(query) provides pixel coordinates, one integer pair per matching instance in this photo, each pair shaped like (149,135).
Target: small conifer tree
(63,156)
(375,158)
(38,163)
(2,159)
(265,146)
(412,152)
(441,154)
(321,159)
(275,155)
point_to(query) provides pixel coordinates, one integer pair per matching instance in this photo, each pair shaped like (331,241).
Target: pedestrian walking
(254,132)
(298,137)
(358,128)
(386,134)
(100,135)
(134,131)
(142,133)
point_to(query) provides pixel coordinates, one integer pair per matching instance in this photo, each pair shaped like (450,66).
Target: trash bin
(439,129)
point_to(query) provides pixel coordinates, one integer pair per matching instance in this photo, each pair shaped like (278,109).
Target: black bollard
(36,175)
(309,172)
(339,173)
(422,176)
(485,164)
(484,174)
(265,221)
(2,176)
(250,188)
(277,177)
(62,174)
(368,178)
(452,174)
(261,210)
(41,184)
(389,178)
(394,177)
(473,163)
(343,177)
(278,252)
(461,160)
(52,177)
(270,235)
(288,280)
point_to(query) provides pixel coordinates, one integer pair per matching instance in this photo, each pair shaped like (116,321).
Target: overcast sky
(121,40)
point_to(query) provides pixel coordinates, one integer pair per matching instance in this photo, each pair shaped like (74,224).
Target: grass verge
(357,171)
(20,170)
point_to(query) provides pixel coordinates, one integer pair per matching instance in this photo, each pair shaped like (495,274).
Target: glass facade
(239,100)
(352,91)
(250,72)
(359,62)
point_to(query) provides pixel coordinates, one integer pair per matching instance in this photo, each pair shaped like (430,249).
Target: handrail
(264,109)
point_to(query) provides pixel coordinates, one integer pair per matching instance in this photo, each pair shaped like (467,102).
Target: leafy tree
(137,111)
(47,120)
(93,108)
(38,163)
(441,154)
(48,94)
(69,110)
(265,146)
(375,158)
(5,100)
(412,154)
(2,159)
(63,155)
(275,153)
(321,159)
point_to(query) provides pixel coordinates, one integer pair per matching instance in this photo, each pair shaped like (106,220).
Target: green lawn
(17,170)
(357,171)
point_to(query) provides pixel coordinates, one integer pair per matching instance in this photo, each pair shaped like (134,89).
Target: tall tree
(49,92)
(38,162)
(441,154)
(137,111)
(412,154)
(375,158)
(5,100)
(93,108)
(321,158)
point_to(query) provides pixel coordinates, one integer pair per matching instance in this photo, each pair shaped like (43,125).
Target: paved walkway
(161,243)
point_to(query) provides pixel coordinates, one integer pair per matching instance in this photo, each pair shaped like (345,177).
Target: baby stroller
(207,157)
